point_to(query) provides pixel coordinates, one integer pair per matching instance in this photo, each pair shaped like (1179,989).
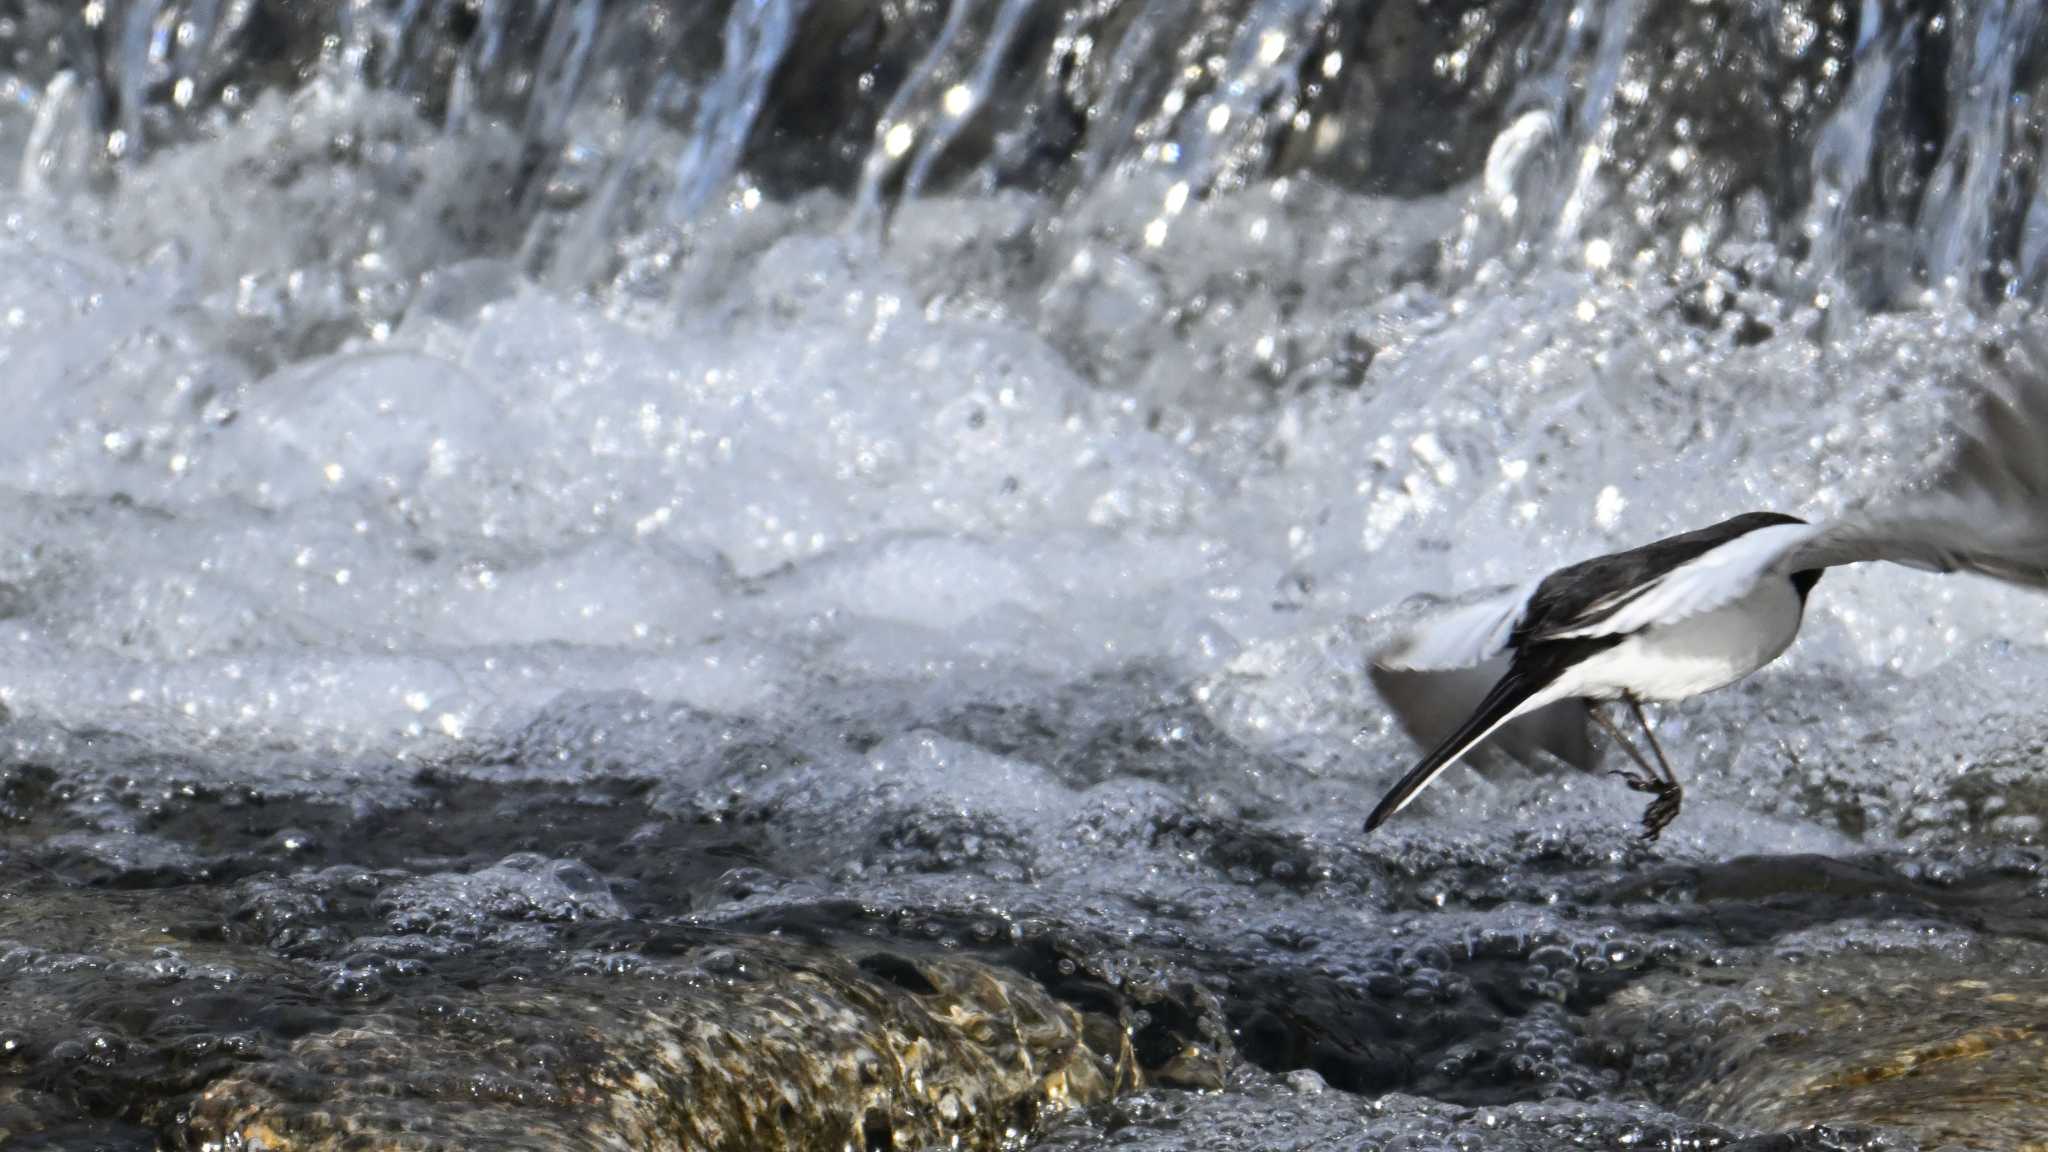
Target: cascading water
(1217,88)
(1841,155)
(756,35)
(607,574)
(1955,216)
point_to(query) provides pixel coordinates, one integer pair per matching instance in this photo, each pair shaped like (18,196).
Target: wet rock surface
(218,1002)
(540,965)
(1913,1027)
(737,1044)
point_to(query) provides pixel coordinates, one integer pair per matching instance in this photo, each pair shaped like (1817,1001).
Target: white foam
(820,462)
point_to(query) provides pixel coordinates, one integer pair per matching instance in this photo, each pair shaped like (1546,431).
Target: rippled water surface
(788,574)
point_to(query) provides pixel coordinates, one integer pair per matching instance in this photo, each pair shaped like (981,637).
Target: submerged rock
(747,1045)
(149,1011)
(1946,1042)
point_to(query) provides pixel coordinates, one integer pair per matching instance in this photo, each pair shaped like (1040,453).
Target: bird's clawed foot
(1668,797)
(1662,810)
(1659,781)
(1639,781)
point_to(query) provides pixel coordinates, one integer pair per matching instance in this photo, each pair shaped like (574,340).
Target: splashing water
(515,508)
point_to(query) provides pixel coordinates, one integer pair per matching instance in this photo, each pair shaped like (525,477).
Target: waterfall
(1539,181)
(139,51)
(1842,154)
(907,114)
(1955,217)
(1132,84)
(1066,97)
(1592,125)
(757,33)
(1226,131)
(560,75)
(962,100)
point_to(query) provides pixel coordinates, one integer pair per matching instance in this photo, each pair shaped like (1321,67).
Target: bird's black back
(1566,597)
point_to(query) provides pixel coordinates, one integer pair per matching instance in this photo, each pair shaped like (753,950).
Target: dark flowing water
(798,574)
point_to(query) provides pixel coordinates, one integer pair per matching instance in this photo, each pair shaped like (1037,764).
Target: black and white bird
(1699,611)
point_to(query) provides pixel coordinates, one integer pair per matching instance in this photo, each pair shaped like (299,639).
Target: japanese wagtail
(1699,611)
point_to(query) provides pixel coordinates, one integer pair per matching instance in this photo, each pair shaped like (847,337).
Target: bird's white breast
(1694,655)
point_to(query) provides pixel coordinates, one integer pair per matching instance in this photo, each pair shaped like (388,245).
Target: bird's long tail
(1513,690)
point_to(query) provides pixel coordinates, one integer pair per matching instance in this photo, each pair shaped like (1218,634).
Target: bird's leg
(1669,793)
(1666,793)
(1649,780)
(1650,734)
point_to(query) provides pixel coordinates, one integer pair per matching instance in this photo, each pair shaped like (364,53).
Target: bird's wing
(1460,638)
(1431,704)
(1716,578)
(1953,536)
(1987,514)
(1433,675)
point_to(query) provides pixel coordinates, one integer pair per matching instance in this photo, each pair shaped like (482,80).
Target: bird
(1695,612)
